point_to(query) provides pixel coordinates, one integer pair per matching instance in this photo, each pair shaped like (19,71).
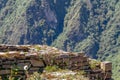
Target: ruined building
(34,58)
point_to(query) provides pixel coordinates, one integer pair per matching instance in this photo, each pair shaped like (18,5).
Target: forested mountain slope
(92,26)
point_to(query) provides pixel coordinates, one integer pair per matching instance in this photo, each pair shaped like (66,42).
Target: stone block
(4,72)
(78,59)
(19,56)
(106,66)
(26,60)
(34,69)
(23,48)
(3,59)
(80,54)
(6,66)
(20,61)
(107,75)
(12,48)
(37,63)
(32,55)
(63,56)
(74,68)
(7,62)
(78,65)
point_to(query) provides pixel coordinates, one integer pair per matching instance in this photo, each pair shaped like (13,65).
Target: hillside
(91,26)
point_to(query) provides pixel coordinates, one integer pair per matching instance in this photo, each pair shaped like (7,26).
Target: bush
(52,68)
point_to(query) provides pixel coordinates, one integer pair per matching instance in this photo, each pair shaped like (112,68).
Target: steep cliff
(31,22)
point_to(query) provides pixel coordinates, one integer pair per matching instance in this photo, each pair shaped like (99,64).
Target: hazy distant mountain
(92,26)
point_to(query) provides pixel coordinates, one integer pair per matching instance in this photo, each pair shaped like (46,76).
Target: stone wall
(37,57)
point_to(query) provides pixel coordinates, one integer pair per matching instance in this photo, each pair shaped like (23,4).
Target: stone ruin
(37,57)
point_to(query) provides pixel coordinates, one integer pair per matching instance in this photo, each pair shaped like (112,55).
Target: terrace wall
(16,59)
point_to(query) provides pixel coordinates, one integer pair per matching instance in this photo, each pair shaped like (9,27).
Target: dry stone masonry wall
(35,58)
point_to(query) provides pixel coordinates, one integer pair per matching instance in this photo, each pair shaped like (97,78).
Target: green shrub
(93,64)
(52,68)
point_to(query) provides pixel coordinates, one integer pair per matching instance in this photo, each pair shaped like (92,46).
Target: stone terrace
(37,57)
